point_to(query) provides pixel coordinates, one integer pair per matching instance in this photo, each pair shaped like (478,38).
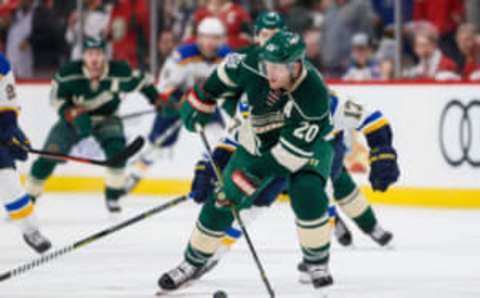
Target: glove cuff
(243,183)
(72,113)
(198,100)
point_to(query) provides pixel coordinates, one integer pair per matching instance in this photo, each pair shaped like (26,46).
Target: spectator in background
(128,30)
(167,42)
(46,39)
(472,9)
(297,17)
(364,67)
(95,22)
(432,63)
(469,55)
(312,47)
(385,13)
(343,18)
(475,76)
(236,19)
(446,16)
(19,50)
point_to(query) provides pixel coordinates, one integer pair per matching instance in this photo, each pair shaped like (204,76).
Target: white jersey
(8,97)
(187,67)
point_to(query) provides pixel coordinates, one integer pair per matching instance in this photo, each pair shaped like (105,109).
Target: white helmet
(211,26)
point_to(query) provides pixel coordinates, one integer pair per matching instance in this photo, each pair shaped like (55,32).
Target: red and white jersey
(438,67)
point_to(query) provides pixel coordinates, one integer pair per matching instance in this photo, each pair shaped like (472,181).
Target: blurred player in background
(233,16)
(12,147)
(190,64)
(86,94)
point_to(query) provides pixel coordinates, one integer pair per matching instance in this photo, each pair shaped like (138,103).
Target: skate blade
(162,292)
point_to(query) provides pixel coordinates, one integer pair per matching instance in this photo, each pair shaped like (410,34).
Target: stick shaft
(236,215)
(89,239)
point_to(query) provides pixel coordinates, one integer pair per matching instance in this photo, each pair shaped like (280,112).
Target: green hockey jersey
(289,126)
(72,86)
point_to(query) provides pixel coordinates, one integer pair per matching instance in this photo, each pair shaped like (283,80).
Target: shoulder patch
(4,65)
(234,60)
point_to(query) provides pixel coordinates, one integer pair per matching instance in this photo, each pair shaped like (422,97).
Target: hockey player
(290,118)
(12,147)
(347,116)
(86,95)
(188,65)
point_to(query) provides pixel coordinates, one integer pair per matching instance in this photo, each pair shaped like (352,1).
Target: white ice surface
(436,254)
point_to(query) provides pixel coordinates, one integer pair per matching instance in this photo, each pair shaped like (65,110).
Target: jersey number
(306,131)
(10,89)
(353,110)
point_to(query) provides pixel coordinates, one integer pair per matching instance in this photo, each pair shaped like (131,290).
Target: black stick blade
(129,151)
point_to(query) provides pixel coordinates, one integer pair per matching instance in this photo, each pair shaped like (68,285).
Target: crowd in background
(345,39)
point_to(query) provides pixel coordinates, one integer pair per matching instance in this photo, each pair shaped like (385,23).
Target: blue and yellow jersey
(186,67)
(191,53)
(8,95)
(349,115)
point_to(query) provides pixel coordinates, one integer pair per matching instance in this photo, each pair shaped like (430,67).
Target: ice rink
(436,254)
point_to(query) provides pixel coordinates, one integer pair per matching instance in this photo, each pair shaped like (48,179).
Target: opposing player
(86,95)
(12,147)
(190,64)
(290,119)
(347,116)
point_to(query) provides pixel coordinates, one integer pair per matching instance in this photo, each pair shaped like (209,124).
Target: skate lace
(318,271)
(182,272)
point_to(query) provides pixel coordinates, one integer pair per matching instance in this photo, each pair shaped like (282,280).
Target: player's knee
(42,168)
(112,147)
(354,204)
(343,185)
(307,196)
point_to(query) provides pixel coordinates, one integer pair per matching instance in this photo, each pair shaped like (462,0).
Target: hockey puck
(220,294)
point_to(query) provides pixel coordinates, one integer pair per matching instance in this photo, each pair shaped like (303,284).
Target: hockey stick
(237,217)
(136,114)
(128,152)
(88,240)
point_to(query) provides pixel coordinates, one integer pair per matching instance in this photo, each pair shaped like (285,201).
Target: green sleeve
(134,80)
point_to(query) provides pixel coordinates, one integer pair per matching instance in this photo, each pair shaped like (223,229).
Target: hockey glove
(13,137)
(197,109)
(384,169)
(80,119)
(203,184)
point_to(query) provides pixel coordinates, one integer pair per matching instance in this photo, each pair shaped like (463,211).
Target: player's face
(264,35)
(209,44)
(94,60)
(278,75)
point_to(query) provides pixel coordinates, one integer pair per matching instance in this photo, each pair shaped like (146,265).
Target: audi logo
(460,133)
